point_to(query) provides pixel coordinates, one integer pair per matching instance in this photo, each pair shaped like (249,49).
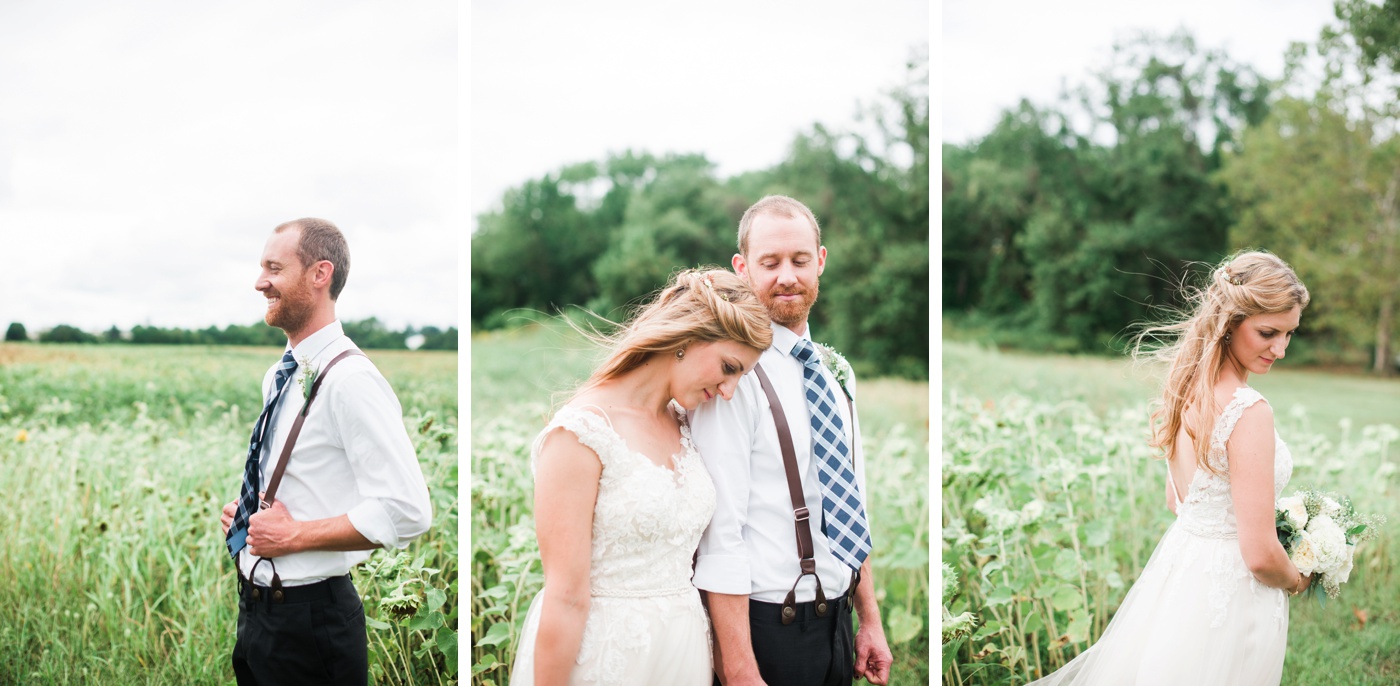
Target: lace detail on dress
(1208,510)
(646,526)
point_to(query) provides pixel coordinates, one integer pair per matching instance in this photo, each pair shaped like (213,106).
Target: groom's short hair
(321,240)
(780,205)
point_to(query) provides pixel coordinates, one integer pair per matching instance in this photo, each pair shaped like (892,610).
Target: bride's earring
(1226,339)
(680,354)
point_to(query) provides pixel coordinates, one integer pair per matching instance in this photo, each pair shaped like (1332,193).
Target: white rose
(1330,507)
(1329,542)
(1295,510)
(1304,554)
(1342,573)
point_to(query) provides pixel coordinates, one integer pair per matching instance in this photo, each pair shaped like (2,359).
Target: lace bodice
(648,519)
(1208,509)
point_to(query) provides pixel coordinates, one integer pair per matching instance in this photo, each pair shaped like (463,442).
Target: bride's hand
(1304,581)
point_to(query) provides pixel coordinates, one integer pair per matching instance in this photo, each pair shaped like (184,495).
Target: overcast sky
(995,53)
(148,149)
(734,80)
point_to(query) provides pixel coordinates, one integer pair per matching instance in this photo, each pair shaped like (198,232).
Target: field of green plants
(519,375)
(1051,506)
(115,462)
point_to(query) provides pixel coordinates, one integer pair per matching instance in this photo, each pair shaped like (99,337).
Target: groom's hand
(226,519)
(272,532)
(873,656)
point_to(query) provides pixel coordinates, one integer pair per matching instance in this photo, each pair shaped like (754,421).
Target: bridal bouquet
(1320,534)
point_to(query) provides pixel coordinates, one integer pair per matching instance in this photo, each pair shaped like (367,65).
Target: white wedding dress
(1196,616)
(645,621)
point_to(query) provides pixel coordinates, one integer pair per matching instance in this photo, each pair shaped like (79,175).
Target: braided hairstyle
(701,305)
(1245,284)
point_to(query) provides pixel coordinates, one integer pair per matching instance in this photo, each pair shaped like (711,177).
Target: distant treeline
(367,333)
(1070,222)
(604,234)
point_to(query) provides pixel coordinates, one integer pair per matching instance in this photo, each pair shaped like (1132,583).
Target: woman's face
(710,370)
(1261,339)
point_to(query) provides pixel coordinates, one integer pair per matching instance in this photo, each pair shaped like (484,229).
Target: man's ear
(740,266)
(321,274)
(821,259)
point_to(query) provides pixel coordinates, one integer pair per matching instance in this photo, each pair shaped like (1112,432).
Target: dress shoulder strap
(1225,425)
(1171,483)
(593,429)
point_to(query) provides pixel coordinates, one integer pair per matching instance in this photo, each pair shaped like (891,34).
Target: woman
(621,496)
(1211,607)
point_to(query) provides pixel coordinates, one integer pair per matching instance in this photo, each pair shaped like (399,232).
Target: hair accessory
(709,282)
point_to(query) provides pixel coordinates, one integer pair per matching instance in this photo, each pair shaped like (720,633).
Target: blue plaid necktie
(843,514)
(248,497)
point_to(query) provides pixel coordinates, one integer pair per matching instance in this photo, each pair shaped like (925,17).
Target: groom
(352,481)
(786,556)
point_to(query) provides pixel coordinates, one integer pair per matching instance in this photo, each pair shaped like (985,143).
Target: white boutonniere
(838,365)
(307,378)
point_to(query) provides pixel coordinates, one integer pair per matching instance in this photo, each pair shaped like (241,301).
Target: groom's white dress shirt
(750,547)
(353,457)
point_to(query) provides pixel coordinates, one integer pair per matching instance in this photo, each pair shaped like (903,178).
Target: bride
(1211,606)
(621,496)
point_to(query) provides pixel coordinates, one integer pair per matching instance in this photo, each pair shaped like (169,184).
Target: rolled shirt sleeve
(723,432)
(396,508)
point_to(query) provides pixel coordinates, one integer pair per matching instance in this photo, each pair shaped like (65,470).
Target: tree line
(367,333)
(601,235)
(1070,222)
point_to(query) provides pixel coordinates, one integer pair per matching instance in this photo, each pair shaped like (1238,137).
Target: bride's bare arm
(566,489)
(1251,457)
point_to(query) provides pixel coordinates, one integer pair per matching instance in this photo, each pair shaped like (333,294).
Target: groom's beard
(789,312)
(293,310)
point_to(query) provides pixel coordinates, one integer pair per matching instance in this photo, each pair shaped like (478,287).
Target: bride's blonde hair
(1245,284)
(703,305)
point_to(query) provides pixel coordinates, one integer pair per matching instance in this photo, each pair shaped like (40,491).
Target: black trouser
(313,634)
(811,651)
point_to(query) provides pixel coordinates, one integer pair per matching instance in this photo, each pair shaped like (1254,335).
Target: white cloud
(147,151)
(996,53)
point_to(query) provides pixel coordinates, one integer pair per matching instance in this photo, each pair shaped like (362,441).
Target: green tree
(1076,220)
(372,333)
(534,253)
(1319,181)
(64,333)
(437,339)
(16,332)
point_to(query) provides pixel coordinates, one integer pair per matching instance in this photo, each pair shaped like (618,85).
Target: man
(749,556)
(351,482)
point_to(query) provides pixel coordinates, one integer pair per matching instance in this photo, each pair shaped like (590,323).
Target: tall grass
(519,376)
(1051,506)
(115,462)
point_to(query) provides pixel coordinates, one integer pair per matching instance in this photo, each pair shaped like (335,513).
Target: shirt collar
(785,339)
(313,345)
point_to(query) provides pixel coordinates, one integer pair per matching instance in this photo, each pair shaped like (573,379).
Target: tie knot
(285,367)
(806,353)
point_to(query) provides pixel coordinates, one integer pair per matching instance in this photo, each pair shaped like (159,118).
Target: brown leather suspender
(800,513)
(271,492)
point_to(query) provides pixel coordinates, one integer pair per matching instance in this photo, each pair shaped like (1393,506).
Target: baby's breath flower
(839,367)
